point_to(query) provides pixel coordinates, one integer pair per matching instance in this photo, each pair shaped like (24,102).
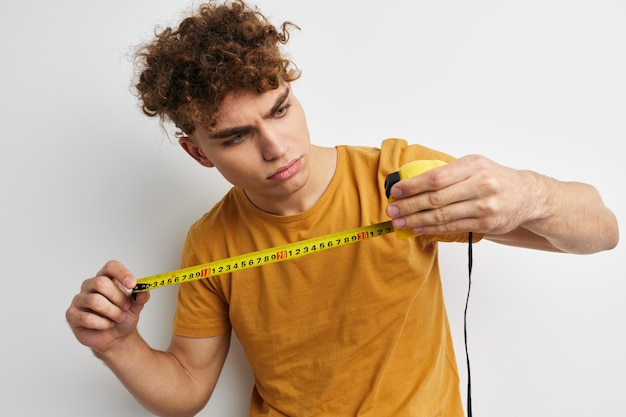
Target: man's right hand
(104,312)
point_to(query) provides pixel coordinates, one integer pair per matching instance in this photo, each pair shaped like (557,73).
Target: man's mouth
(287,171)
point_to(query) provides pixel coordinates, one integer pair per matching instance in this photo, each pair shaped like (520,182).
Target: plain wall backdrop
(85,178)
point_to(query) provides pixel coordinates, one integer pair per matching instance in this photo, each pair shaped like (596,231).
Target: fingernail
(399,223)
(396,192)
(392,211)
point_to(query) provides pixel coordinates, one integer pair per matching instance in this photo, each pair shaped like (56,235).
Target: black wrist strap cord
(469,287)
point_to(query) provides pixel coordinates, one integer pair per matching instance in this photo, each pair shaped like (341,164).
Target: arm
(569,217)
(519,208)
(177,382)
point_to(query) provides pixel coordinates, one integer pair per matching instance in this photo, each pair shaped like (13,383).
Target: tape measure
(290,250)
(263,257)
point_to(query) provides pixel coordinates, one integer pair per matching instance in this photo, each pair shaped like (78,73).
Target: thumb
(139,301)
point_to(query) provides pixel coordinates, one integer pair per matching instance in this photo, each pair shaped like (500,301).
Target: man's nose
(272,146)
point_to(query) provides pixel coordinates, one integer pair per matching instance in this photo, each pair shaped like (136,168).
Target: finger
(430,180)
(458,226)
(106,294)
(139,300)
(471,215)
(109,289)
(418,203)
(93,311)
(447,219)
(432,189)
(118,272)
(89,321)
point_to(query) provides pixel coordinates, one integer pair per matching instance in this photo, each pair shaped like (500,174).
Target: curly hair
(185,73)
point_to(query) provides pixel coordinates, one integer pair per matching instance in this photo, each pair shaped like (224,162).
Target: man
(359,330)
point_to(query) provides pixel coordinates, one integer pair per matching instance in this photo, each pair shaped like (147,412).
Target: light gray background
(85,177)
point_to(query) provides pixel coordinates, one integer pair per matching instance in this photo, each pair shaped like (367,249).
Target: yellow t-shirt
(358,330)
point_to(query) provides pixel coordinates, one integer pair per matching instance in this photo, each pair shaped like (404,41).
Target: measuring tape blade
(263,257)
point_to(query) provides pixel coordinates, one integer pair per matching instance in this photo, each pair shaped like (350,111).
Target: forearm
(570,216)
(155,378)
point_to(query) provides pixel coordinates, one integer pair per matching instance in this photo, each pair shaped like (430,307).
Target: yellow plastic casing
(408,170)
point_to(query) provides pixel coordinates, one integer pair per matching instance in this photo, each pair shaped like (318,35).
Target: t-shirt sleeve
(202,310)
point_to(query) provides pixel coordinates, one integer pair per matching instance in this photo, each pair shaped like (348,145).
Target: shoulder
(391,155)
(399,152)
(394,151)
(223,213)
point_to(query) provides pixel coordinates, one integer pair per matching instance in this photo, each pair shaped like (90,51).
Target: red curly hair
(185,73)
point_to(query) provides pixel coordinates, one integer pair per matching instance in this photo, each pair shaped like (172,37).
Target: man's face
(260,143)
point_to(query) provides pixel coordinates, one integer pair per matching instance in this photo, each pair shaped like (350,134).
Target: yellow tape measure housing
(411,169)
(263,257)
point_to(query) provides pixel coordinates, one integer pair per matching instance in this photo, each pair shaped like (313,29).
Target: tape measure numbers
(263,257)
(290,250)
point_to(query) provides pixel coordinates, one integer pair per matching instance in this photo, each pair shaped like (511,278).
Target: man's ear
(194,151)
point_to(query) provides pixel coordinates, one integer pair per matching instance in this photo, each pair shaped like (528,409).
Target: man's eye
(234,140)
(281,111)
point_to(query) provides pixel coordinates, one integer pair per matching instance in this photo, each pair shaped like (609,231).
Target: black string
(469,287)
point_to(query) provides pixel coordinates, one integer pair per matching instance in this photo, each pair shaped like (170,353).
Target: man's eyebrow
(226,133)
(232,131)
(278,103)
